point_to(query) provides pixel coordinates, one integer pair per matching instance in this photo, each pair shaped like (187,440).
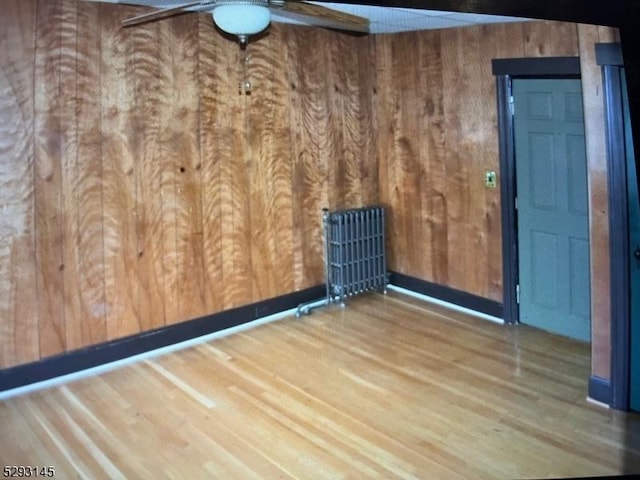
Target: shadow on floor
(632,443)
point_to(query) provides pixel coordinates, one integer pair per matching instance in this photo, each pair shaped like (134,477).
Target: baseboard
(448,305)
(109,352)
(600,390)
(448,294)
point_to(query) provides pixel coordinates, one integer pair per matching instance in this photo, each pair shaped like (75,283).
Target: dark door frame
(505,70)
(609,57)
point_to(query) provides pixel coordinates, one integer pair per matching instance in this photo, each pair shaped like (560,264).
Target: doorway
(508,71)
(552,206)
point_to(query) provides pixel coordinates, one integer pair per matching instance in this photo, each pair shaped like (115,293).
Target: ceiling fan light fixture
(242,17)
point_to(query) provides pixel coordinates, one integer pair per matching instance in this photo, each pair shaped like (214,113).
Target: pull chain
(244,85)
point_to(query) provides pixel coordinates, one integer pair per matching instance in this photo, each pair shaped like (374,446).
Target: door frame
(505,71)
(609,57)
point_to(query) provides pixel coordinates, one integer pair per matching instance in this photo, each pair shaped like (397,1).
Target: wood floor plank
(388,387)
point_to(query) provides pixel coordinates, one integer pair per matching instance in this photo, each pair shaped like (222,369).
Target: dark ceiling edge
(597,12)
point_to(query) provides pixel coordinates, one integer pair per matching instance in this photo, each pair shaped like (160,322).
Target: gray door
(553,227)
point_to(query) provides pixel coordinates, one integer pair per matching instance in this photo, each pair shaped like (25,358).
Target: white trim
(451,306)
(107,367)
(598,403)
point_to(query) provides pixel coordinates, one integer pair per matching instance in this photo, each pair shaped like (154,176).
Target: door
(552,206)
(634,243)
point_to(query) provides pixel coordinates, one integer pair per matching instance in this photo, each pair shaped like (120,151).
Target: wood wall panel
(349,153)
(264,162)
(147,82)
(483,264)
(209,72)
(227,114)
(270,179)
(76,327)
(87,211)
(339,168)
(184,121)
(460,113)
(407,170)
(279,183)
(18,311)
(370,183)
(432,147)
(48,188)
(308,110)
(550,39)
(235,177)
(118,176)
(167,157)
(383,100)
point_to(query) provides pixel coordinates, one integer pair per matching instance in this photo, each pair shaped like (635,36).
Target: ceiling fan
(244,18)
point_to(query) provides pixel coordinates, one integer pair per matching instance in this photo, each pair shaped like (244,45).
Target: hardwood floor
(389,387)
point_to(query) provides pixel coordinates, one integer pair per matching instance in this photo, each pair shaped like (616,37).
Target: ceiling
(383,19)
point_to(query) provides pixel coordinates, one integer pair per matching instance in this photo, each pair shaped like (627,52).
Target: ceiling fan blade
(158,14)
(323,16)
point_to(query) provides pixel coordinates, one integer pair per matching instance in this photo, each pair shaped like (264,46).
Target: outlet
(490,179)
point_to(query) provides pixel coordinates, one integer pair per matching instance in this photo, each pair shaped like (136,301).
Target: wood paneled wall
(437,133)
(138,188)
(437,136)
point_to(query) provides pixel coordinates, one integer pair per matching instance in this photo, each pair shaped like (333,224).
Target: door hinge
(518,294)
(515,202)
(512,108)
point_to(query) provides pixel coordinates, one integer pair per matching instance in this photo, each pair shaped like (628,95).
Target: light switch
(490,179)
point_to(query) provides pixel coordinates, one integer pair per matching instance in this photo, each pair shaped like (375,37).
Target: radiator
(354,251)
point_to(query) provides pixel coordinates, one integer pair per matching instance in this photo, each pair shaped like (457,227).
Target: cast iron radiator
(354,252)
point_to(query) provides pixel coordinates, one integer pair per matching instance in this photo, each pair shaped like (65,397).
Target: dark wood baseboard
(104,353)
(447,294)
